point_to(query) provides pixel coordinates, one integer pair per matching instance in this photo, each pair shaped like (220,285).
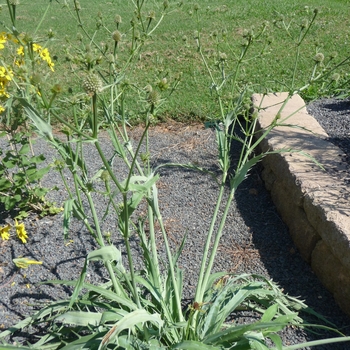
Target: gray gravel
(255,239)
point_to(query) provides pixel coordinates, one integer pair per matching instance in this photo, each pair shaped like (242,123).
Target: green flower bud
(163,84)
(153,97)
(335,77)
(77,6)
(105,175)
(117,19)
(222,56)
(165,4)
(196,7)
(151,15)
(92,84)
(117,36)
(319,57)
(50,34)
(304,23)
(36,79)
(56,89)
(110,58)
(80,37)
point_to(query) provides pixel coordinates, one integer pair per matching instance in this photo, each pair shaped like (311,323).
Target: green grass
(168,53)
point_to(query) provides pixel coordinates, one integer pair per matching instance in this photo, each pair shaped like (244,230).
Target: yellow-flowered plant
(23,263)
(21,233)
(21,67)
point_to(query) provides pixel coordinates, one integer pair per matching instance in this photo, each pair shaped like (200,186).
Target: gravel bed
(255,239)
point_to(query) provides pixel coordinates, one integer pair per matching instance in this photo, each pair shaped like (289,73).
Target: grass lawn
(172,50)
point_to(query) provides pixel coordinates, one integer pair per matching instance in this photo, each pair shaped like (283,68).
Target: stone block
(331,272)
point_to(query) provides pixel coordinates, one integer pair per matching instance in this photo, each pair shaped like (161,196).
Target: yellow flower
(51,64)
(2,109)
(36,47)
(20,51)
(21,231)
(3,39)
(45,55)
(23,263)
(4,231)
(5,74)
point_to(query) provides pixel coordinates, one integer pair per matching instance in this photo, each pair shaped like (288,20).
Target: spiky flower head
(92,84)
(319,57)
(117,19)
(335,77)
(304,23)
(151,15)
(153,97)
(117,36)
(222,56)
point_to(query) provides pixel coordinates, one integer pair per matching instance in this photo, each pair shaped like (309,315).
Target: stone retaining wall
(314,203)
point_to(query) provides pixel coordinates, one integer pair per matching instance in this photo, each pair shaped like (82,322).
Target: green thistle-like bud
(184,38)
(89,57)
(137,35)
(105,175)
(165,4)
(222,56)
(50,34)
(304,23)
(163,84)
(319,57)
(56,89)
(77,6)
(80,37)
(36,79)
(110,58)
(148,88)
(153,97)
(196,7)
(335,77)
(316,11)
(333,55)
(117,36)
(151,15)
(99,23)
(117,20)
(92,84)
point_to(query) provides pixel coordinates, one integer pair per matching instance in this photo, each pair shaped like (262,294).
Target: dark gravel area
(334,116)
(255,239)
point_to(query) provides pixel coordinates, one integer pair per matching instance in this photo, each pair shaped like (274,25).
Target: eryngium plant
(143,308)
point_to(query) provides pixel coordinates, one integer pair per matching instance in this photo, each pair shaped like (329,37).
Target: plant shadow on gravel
(280,258)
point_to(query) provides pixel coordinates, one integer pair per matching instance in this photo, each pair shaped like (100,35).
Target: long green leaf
(41,125)
(80,318)
(194,345)
(270,313)
(316,343)
(234,333)
(128,322)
